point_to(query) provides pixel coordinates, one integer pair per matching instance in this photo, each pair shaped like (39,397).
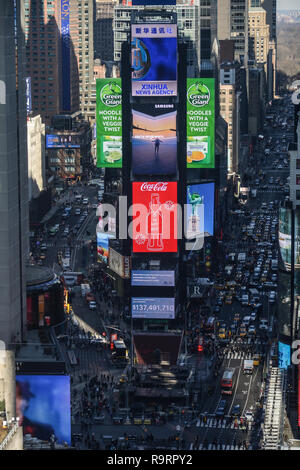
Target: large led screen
(154,225)
(285,237)
(154,142)
(284,355)
(109,122)
(54,141)
(103,246)
(200,210)
(158,308)
(200,123)
(154,59)
(43,406)
(153,278)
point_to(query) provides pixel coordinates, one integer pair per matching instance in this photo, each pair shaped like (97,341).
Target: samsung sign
(65,54)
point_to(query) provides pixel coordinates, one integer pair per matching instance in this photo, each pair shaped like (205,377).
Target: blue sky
(288,5)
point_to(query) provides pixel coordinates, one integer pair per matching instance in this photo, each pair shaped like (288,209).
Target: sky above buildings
(288,4)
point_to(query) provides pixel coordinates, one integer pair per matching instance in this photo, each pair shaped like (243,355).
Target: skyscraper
(50,59)
(233,24)
(13,173)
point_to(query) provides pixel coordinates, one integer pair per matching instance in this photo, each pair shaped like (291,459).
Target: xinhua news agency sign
(200,130)
(109,122)
(65,54)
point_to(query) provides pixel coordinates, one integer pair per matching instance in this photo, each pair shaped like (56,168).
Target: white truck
(248,366)
(85,289)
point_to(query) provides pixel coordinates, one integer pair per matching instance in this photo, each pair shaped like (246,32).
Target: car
(253,316)
(246,320)
(43,246)
(92,305)
(236,411)
(263,325)
(77,211)
(221,408)
(249,416)
(251,330)
(243,330)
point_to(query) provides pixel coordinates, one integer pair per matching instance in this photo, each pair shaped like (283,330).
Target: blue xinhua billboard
(65,54)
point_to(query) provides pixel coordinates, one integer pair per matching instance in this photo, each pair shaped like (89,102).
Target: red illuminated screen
(154,226)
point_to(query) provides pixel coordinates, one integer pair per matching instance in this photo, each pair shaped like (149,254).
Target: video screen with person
(43,406)
(154,141)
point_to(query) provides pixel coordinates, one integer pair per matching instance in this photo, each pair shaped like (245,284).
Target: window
(298,195)
(298,163)
(297,179)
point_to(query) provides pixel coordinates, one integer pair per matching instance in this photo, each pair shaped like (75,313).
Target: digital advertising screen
(200,130)
(154,224)
(154,59)
(153,278)
(109,122)
(154,141)
(153,2)
(62,141)
(284,355)
(285,237)
(43,406)
(103,246)
(200,210)
(119,264)
(28,95)
(155,307)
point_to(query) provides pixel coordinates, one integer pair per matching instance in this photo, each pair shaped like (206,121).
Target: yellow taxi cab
(256,359)
(243,330)
(222,333)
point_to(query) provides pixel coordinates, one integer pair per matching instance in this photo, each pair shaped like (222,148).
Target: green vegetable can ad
(109,122)
(200,123)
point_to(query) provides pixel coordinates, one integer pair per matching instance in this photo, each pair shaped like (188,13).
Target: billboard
(153,2)
(103,246)
(119,264)
(65,54)
(200,130)
(154,225)
(200,210)
(154,307)
(153,278)
(154,59)
(154,141)
(28,95)
(65,141)
(43,406)
(109,122)
(284,355)
(285,237)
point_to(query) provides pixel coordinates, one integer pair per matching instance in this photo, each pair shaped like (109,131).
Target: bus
(228,381)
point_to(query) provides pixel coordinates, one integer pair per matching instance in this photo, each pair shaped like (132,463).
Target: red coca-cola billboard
(154,225)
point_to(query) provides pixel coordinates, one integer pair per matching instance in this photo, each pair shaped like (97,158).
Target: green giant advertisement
(200,123)
(109,122)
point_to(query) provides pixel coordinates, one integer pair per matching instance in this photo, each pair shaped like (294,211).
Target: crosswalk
(238,355)
(216,423)
(213,446)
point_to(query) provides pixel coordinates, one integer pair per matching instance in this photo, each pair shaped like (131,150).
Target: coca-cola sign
(154,224)
(153,187)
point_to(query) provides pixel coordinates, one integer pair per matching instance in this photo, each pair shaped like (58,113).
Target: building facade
(36,156)
(13,173)
(232,23)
